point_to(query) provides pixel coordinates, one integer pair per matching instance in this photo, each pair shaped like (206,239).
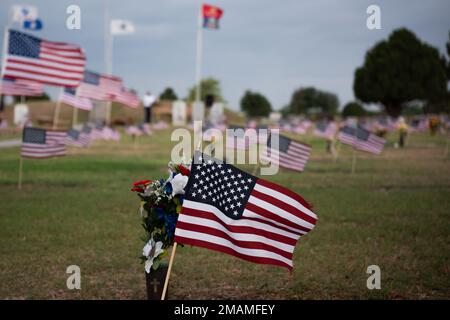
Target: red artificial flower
(141,182)
(135,189)
(183,170)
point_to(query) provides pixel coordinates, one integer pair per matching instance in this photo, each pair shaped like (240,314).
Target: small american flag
(347,135)
(85,135)
(41,143)
(20,87)
(127,98)
(228,210)
(73,138)
(53,63)
(99,87)
(288,154)
(366,141)
(325,130)
(69,96)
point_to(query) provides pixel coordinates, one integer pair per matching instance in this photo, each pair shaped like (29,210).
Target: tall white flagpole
(108,55)
(198,71)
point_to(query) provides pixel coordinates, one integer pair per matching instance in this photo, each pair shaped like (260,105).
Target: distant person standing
(403,132)
(148,101)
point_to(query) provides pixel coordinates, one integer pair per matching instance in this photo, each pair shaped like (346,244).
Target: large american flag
(20,87)
(288,154)
(54,63)
(229,210)
(99,87)
(369,142)
(41,143)
(69,96)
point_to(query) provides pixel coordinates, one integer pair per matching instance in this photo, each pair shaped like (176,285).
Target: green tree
(311,100)
(255,104)
(168,94)
(398,70)
(209,86)
(353,109)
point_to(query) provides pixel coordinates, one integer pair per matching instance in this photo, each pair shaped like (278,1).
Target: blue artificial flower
(160,214)
(168,188)
(170,224)
(161,181)
(181,198)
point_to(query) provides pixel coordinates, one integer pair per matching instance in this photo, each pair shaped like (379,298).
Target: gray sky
(273,47)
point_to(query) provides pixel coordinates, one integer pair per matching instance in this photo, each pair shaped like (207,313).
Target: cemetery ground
(394,212)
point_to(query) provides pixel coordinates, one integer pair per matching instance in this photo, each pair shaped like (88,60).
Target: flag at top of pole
(211,16)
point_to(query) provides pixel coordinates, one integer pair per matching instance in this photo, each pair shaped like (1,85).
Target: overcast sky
(273,47)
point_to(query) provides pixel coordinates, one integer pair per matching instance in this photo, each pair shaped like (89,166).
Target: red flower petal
(184,171)
(141,182)
(135,189)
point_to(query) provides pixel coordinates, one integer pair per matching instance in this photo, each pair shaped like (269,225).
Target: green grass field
(394,212)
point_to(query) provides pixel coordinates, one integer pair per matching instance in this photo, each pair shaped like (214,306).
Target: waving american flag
(229,210)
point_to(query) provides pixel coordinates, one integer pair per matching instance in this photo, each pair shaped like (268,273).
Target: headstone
(275,117)
(198,111)
(216,113)
(21,114)
(179,113)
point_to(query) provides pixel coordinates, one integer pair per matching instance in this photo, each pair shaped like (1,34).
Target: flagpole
(198,70)
(354,161)
(108,55)
(57,109)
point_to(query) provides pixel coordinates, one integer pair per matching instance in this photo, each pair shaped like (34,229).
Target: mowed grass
(394,212)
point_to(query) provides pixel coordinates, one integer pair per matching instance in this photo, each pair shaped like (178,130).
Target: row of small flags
(42,143)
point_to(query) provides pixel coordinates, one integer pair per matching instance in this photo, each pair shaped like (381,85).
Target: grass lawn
(394,212)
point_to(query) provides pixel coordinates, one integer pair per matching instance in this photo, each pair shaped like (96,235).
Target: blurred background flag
(99,87)
(127,98)
(54,63)
(41,143)
(73,138)
(69,96)
(366,141)
(33,24)
(289,154)
(228,210)
(22,12)
(211,16)
(18,87)
(122,27)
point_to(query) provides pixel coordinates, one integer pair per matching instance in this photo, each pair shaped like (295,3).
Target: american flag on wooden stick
(347,135)
(20,87)
(69,96)
(41,143)
(127,98)
(54,63)
(75,138)
(288,153)
(229,210)
(325,129)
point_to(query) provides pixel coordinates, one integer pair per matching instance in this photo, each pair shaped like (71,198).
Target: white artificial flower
(178,183)
(151,251)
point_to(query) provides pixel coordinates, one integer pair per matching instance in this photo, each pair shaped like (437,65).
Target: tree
(353,109)
(311,100)
(209,86)
(398,70)
(168,94)
(255,104)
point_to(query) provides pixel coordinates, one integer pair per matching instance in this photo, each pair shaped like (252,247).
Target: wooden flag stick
(19,185)
(169,270)
(56,114)
(74,117)
(354,161)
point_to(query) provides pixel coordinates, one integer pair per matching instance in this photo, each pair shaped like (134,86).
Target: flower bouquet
(161,202)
